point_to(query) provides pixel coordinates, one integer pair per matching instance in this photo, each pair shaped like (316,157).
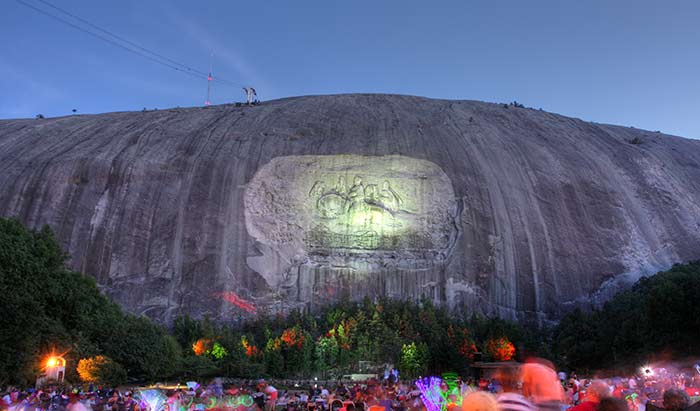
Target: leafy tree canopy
(48,308)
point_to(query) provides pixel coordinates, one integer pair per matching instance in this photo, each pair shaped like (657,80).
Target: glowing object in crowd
(192,385)
(431,393)
(647,371)
(453,388)
(239,302)
(153,400)
(231,402)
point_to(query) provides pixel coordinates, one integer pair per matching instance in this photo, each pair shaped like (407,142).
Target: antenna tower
(209,79)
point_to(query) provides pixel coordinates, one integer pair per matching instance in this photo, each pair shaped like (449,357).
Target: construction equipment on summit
(250,95)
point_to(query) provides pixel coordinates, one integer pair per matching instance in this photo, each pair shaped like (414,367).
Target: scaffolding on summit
(250,95)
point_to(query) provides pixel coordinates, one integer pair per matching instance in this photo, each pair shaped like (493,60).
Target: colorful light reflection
(431,393)
(238,301)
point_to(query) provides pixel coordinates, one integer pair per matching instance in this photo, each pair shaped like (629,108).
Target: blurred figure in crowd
(596,391)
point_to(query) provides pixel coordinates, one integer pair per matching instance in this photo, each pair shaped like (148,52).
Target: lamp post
(54,370)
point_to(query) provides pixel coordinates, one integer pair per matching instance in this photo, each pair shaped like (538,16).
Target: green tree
(48,308)
(326,354)
(274,360)
(413,360)
(186,330)
(201,366)
(658,314)
(144,348)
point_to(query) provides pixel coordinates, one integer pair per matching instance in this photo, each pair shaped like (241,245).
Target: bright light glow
(647,371)
(55,361)
(431,393)
(154,400)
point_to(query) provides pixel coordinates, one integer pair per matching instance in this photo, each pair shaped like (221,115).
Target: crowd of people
(534,386)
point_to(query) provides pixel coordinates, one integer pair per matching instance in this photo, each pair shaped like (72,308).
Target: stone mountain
(231,211)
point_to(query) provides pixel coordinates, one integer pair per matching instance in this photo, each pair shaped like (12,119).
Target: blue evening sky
(628,62)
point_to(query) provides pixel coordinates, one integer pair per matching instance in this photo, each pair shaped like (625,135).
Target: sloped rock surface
(534,212)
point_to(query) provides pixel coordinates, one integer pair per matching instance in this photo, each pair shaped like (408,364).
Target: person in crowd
(341,391)
(541,385)
(303,397)
(479,401)
(259,398)
(130,404)
(575,387)
(676,399)
(612,404)
(595,392)
(112,403)
(632,383)
(511,399)
(272,395)
(74,403)
(7,399)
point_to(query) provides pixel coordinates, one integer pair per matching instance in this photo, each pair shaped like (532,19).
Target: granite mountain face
(231,211)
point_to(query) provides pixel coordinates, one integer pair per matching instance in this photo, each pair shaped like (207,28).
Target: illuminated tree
(102,370)
(218,351)
(414,359)
(500,349)
(87,368)
(201,346)
(66,310)
(293,337)
(461,339)
(274,360)
(326,352)
(251,350)
(467,349)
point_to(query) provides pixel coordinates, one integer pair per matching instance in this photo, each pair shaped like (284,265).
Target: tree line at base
(48,308)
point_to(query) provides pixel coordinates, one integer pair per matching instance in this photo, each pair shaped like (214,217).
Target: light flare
(431,393)
(153,400)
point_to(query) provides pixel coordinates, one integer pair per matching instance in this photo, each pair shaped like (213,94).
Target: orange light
(53,361)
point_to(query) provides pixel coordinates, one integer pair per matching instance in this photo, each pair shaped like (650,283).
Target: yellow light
(54,361)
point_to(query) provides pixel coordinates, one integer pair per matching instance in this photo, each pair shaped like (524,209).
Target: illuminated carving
(361,216)
(301,208)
